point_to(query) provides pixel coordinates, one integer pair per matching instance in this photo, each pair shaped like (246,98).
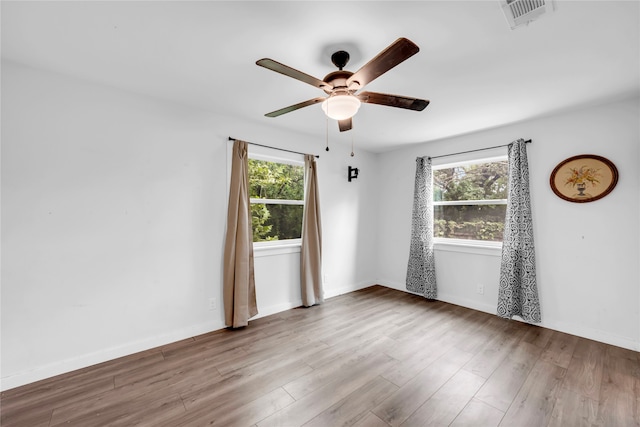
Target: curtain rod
(275,148)
(528,141)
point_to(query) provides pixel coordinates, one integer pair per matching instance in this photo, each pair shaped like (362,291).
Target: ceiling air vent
(521,12)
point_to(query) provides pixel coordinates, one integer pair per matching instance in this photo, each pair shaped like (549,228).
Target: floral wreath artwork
(584,178)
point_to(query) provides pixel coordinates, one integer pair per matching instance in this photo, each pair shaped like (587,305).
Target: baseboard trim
(83,361)
(274,309)
(65,366)
(334,292)
(589,333)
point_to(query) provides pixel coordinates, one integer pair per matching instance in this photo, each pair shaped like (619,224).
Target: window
(470,200)
(276,191)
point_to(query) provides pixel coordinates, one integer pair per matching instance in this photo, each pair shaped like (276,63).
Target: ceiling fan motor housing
(337,81)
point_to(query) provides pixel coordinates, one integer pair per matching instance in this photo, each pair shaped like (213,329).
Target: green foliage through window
(277,200)
(470,201)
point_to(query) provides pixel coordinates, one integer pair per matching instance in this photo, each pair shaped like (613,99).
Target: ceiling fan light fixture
(342,85)
(341,107)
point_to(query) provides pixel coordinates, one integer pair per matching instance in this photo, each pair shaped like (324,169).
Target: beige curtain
(311,250)
(239,285)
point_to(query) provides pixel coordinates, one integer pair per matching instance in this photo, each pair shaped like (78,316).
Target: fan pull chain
(352,153)
(327,130)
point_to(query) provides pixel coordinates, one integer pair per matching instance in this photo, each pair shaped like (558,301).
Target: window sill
(468,246)
(261,249)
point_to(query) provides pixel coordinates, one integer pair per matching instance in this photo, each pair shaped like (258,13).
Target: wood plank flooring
(372,358)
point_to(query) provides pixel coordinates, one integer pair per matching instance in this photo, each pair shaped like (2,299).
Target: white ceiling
(475,70)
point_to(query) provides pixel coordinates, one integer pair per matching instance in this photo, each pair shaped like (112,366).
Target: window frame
(484,247)
(277,156)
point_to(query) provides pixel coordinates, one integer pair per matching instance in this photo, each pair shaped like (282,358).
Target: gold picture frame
(584,178)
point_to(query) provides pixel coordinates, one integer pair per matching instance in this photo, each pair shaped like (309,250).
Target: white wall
(587,254)
(114,209)
(113,220)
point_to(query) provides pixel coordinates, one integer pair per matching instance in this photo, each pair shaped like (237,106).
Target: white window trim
(274,155)
(492,155)
(481,247)
(276,201)
(470,202)
(276,247)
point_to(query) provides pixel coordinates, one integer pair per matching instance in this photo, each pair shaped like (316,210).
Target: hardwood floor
(375,357)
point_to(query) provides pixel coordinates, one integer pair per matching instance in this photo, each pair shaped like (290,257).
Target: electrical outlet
(481,289)
(212,304)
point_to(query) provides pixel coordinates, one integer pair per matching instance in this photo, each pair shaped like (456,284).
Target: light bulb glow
(341,107)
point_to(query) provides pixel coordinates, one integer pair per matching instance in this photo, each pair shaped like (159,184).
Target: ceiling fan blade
(345,124)
(294,107)
(393,55)
(393,100)
(291,72)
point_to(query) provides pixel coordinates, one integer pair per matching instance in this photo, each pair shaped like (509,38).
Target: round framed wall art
(584,178)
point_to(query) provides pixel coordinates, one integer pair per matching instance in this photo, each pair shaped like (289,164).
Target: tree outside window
(276,192)
(470,200)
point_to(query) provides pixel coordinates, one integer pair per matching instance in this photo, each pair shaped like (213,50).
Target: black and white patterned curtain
(421,271)
(518,293)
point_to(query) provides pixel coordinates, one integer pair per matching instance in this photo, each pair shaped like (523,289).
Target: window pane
(483,181)
(276,222)
(473,222)
(270,180)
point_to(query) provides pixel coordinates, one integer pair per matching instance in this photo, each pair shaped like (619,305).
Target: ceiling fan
(342,86)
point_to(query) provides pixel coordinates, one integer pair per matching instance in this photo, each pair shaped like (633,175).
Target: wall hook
(353,173)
